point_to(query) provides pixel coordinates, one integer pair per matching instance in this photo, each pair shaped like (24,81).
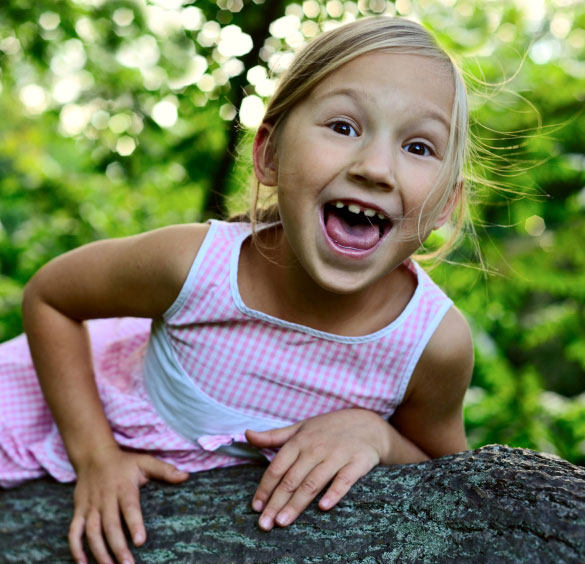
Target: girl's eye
(418,148)
(343,128)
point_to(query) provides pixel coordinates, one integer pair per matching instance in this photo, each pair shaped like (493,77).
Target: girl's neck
(274,284)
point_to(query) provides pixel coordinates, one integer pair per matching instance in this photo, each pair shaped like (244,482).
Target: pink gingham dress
(187,389)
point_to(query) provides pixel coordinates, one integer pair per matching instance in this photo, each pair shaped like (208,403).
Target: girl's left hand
(341,446)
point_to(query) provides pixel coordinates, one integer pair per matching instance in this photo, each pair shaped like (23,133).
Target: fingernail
(283,518)
(266,523)
(257,505)
(138,538)
(325,503)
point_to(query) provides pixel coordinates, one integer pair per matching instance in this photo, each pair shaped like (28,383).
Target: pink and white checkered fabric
(267,367)
(30,444)
(242,358)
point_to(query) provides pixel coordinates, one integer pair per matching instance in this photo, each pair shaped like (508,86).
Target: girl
(313,333)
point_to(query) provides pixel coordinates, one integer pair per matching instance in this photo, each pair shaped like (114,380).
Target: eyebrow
(359,95)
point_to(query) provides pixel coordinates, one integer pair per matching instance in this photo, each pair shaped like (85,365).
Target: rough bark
(492,505)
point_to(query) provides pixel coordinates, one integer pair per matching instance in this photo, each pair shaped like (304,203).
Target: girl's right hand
(138,276)
(108,488)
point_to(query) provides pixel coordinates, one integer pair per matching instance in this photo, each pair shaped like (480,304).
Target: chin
(342,283)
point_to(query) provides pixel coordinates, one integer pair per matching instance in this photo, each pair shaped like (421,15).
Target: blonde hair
(331,50)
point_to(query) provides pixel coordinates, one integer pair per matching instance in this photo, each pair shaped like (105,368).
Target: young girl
(312,339)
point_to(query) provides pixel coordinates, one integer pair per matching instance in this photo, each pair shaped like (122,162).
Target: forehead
(387,77)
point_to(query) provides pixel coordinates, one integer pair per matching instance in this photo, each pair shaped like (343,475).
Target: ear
(265,164)
(450,204)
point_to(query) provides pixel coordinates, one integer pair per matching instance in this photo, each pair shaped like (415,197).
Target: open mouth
(353,226)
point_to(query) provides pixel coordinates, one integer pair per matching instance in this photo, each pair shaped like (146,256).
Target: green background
(117,117)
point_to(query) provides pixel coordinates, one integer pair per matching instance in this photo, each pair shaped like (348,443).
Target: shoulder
(431,413)
(451,345)
(183,240)
(154,265)
(168,253)
(137,276)
(446,364)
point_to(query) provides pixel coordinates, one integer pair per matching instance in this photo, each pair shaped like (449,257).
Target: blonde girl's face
(354,163)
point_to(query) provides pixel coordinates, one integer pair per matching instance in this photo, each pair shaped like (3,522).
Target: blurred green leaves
(119,116)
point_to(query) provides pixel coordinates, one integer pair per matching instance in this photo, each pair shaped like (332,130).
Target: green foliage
(118,117)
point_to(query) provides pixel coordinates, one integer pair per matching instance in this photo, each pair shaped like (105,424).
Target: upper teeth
(354,208)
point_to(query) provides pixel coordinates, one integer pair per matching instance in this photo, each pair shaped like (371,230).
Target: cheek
(417,169)
(418,182)
(288,206)
(288,172)
(298,178)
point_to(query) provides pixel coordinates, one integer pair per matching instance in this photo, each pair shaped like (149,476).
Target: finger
(132,512)
(159,470)
(112,527)
(300,476)
(344,480)
(305,493)
(75,535)
(272,477)
(272,438)
(95,539)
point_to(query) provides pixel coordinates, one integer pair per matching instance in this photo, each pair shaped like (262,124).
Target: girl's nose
(374,165)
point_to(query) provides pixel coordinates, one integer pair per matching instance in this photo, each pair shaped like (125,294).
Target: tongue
(359,236)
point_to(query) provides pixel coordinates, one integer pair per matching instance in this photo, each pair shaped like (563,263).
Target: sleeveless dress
(186,386)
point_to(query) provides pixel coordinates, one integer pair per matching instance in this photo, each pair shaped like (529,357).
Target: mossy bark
(492,505)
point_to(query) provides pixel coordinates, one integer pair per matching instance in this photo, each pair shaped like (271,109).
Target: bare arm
(431,414)
(137,276)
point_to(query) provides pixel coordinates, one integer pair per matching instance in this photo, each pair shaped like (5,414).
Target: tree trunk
(255,20)
(493,505)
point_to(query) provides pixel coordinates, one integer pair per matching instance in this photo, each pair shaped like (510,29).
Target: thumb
(159,470)
(273,437)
